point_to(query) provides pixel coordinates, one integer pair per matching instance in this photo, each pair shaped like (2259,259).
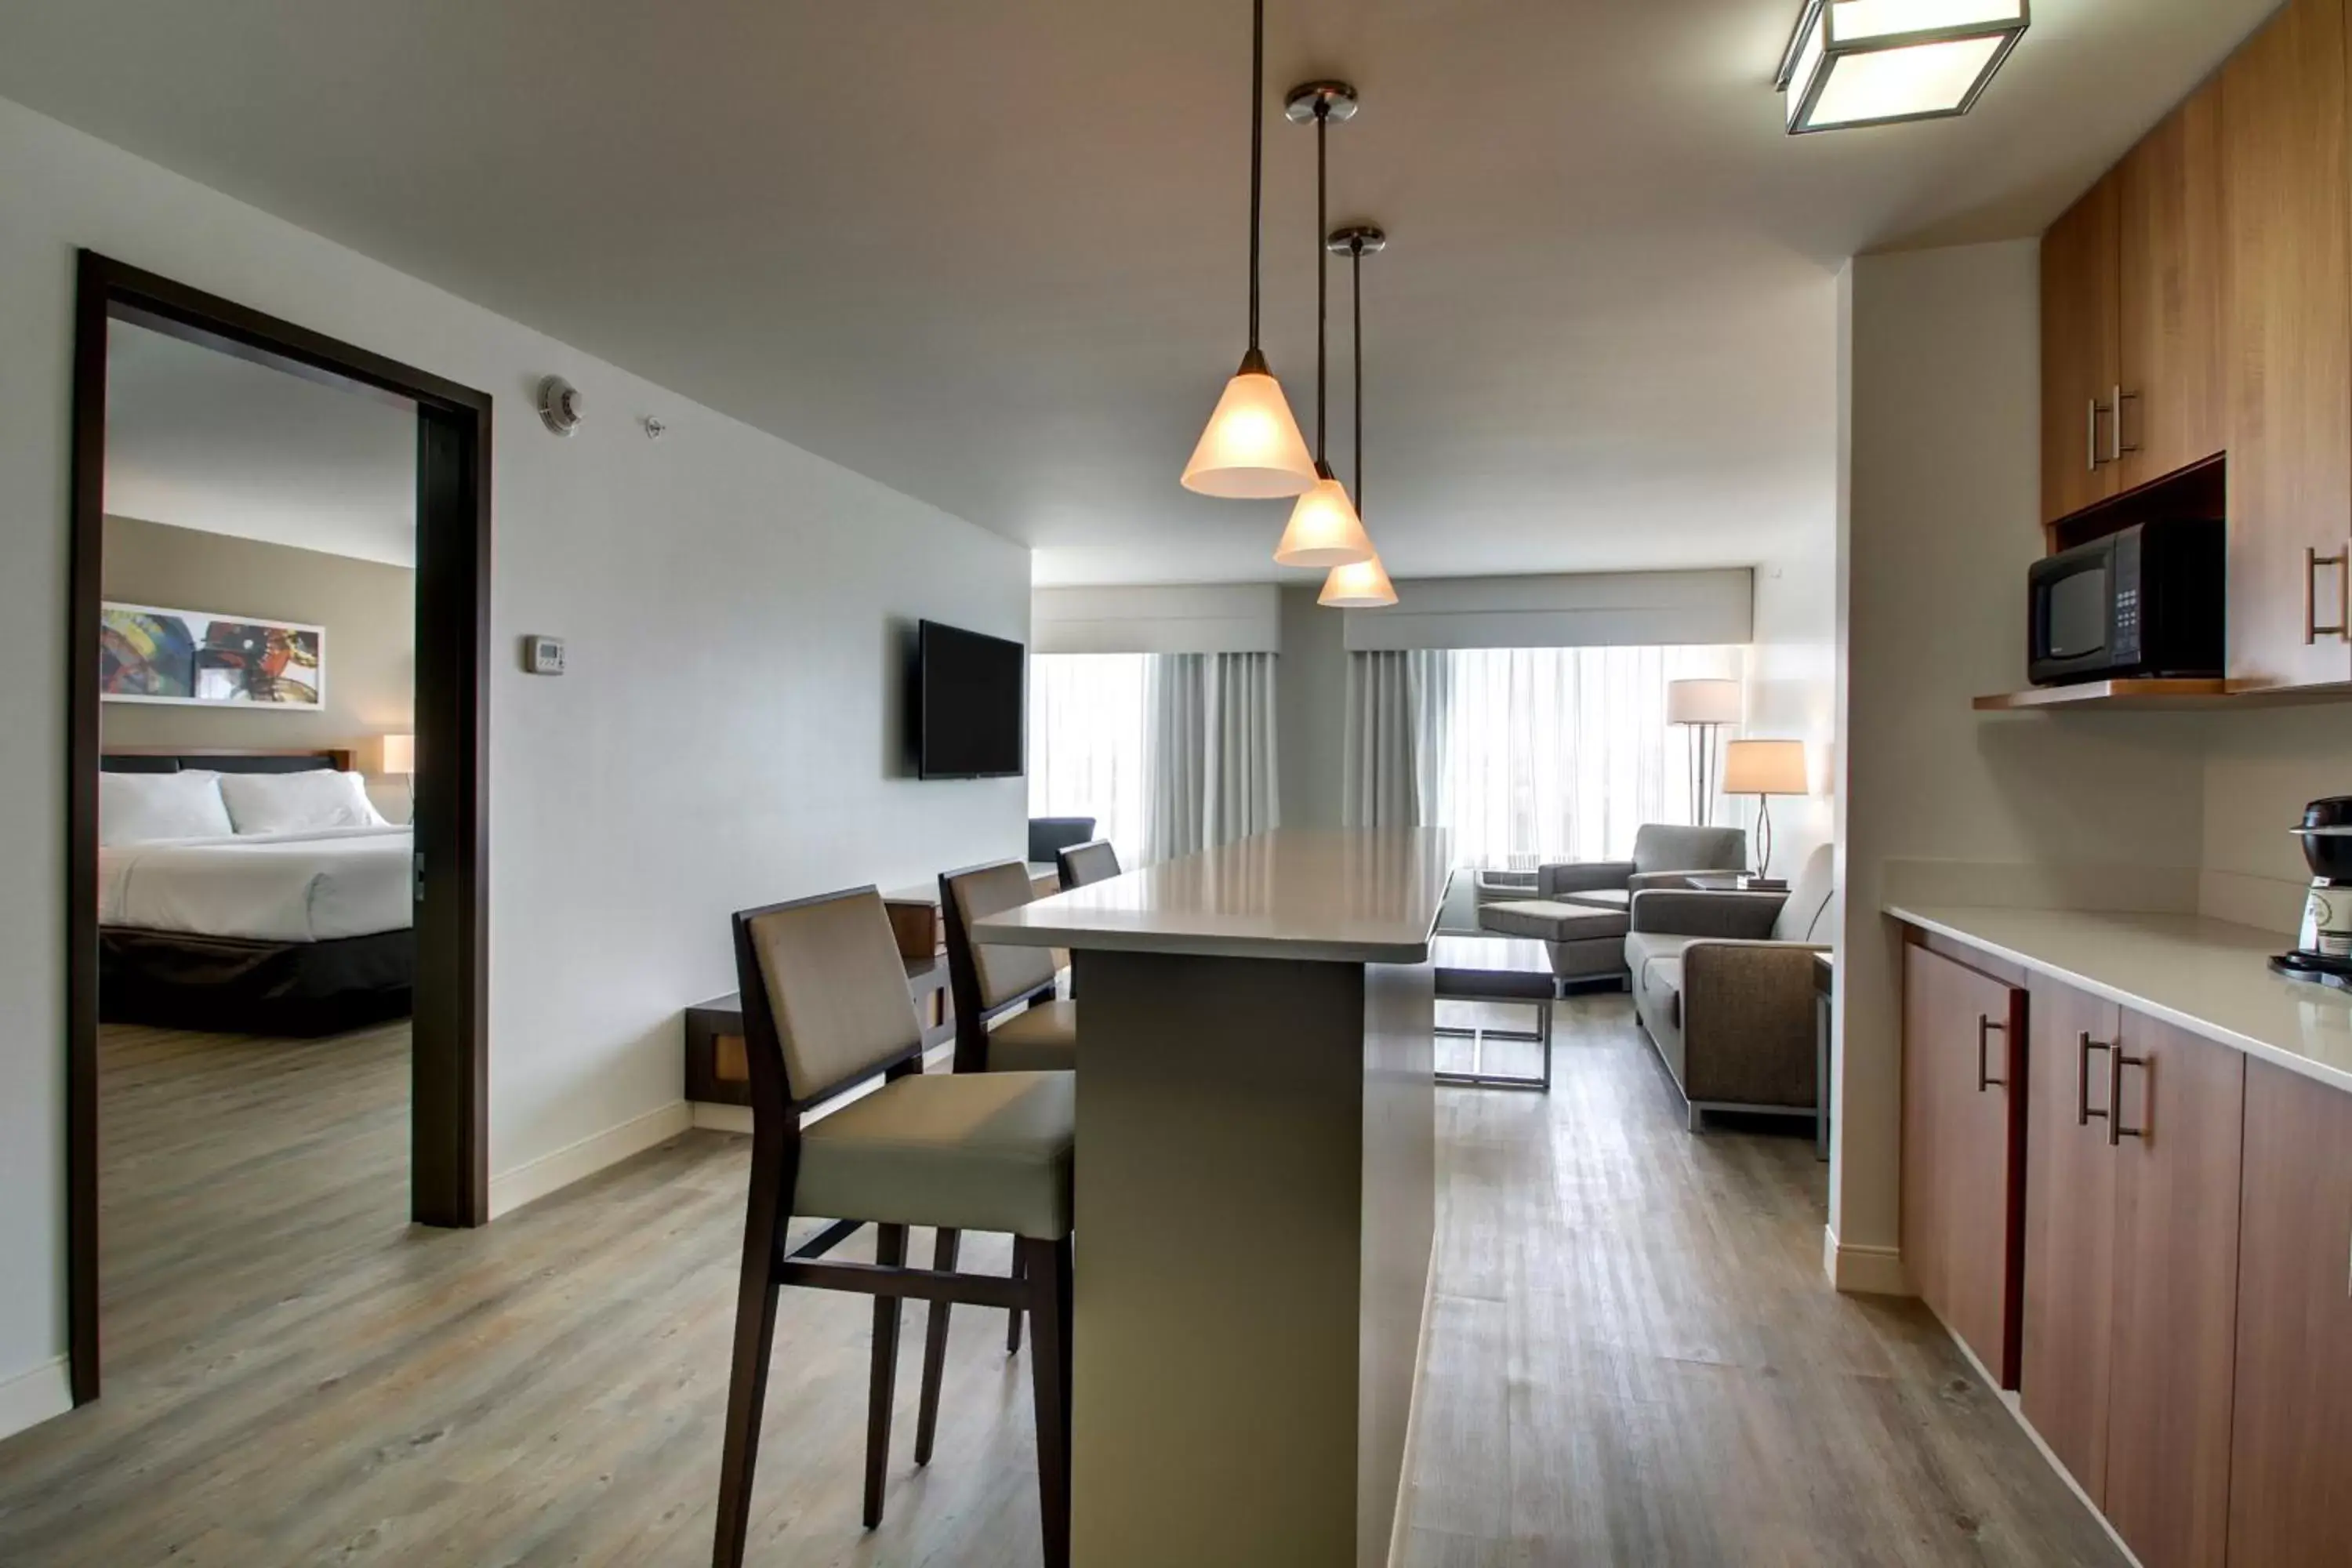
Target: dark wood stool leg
(747,1383)
(935,1352)
(1048,1271)
(890,1252)
(1013,1318)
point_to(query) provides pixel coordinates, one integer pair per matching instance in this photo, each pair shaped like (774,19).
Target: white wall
(1940,414)
(1792,685)
(2260,768)
(725,734)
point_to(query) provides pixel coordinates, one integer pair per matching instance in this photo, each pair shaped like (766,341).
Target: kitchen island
(1255,1195)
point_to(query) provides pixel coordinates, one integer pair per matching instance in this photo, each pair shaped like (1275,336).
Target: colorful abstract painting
(150,655)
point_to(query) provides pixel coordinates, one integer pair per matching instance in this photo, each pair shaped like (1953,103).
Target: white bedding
(314,886)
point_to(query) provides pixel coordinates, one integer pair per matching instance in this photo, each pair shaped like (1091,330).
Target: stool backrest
(826,999)
(1000,973)
(1093,861)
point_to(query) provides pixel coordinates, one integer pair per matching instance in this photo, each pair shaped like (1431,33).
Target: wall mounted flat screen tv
(969,721)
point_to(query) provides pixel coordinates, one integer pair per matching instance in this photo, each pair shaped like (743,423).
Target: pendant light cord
(1356,267)
(1322,273)
(1257,152)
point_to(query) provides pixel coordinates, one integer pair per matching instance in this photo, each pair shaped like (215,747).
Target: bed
(264,922)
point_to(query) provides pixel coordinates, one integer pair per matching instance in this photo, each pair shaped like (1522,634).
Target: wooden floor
(1635,1359)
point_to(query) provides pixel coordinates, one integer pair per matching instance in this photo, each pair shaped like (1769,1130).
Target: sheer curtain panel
(1209,748)
(1085,743)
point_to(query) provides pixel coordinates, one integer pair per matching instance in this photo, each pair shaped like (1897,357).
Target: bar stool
(1092,861)
(988,979)
(826,1010)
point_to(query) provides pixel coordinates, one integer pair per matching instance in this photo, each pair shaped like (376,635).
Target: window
(1086,743)
(1561,753)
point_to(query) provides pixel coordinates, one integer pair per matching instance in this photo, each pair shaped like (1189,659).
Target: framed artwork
(194,657)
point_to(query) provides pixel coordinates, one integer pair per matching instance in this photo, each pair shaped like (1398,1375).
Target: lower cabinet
(2291,1463)
(1963,1135)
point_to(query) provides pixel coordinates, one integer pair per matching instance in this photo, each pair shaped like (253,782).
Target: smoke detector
(560,405)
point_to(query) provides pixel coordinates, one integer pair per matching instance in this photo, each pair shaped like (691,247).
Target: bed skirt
(230,985)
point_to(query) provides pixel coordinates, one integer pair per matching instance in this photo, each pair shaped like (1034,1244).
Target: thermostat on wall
(543,655)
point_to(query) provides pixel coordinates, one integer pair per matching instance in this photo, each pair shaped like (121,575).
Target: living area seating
(1049,836)
(1723,984)
(1580,910)
(988,979)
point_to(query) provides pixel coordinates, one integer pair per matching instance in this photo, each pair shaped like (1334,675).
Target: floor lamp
(1704,708)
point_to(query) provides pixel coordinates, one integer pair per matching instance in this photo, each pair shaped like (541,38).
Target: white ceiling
(991,254)
(199,440)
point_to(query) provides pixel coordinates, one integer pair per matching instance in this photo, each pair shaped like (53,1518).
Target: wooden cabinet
(2081,353)
(2175,1123)
(1963,1135)
(2170,397)
(2291,1466)
(2070,1230)
(2287,329)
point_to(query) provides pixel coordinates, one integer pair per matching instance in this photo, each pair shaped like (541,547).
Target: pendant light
(1252,449)
(1324,527)
(1360,585)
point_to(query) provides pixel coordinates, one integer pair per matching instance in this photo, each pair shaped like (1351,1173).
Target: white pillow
(139,808)
(297,802)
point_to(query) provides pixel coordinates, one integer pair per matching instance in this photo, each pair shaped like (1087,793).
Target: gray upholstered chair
(826,1010)
(1580,910)
(1092,861)
(987,980)
(1049,836)
(1723,983)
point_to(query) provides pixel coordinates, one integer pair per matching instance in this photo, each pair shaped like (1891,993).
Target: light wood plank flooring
(1634,1359)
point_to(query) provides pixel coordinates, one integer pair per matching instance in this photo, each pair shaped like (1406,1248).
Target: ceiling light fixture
(1252,449)
(1360,585)
(1324,529)
(1877,62)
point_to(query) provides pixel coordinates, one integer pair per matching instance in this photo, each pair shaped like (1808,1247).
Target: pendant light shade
(1252,449)
(1358,585)
(1324,529)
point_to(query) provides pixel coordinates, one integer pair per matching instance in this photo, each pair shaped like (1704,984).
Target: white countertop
(2207,976)
(1345,895)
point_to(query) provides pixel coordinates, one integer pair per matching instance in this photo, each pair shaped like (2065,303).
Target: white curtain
(1086,743)
(1561,753)
(1209,751)
(1398,715)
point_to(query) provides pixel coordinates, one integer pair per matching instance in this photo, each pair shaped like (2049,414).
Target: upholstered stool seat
(1043,1038)
(1584,942)
(965,1152)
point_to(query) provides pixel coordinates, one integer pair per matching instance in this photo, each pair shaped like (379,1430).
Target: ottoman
(1585,944)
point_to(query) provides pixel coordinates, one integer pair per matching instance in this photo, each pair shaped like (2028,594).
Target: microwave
(2148,601)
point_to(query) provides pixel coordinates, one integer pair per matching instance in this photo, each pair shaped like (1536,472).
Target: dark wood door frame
(449,1143)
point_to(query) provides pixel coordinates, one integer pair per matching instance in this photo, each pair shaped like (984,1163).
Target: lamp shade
(1870,62)
(1702,703)
(1765,767)
(1252,449)
(400,754)
(1324,529)
(1358,585)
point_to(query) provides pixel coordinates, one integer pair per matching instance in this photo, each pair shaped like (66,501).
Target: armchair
(1723,986)
(1663,855)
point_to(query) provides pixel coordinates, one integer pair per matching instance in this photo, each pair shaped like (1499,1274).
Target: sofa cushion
(1642,946)
(1660,983)
(1805,917)
(1552,921)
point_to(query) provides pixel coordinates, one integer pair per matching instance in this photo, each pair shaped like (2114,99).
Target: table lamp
(1703,707)
(400,757)
(1764,769)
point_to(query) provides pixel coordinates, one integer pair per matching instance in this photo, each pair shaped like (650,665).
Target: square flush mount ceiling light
(1875,62)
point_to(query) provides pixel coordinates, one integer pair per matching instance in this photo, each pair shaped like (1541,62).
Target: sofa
(1723,986)
(1580,910)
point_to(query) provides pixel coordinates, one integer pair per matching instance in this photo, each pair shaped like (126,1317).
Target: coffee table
(1496,969)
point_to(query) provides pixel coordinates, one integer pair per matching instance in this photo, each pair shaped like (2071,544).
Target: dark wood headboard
(225,760)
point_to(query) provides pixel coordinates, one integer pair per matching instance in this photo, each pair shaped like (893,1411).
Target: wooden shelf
(2110,694)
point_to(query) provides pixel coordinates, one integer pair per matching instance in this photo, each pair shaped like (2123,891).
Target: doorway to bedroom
(276,826)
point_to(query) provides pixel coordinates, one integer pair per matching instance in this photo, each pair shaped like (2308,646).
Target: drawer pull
(1985,1080)
(2117,1059)
(2312,561)
(2082,1112)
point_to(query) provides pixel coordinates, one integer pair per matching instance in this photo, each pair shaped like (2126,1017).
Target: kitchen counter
(2207,976)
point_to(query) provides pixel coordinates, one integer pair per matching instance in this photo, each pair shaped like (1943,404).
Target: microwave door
(2076,606)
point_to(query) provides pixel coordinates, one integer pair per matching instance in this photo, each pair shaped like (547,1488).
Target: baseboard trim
(554,1171)
(713,1117)
(1864,1270)
(38,1394)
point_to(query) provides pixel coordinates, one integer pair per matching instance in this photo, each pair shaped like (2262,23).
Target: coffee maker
(2323,948)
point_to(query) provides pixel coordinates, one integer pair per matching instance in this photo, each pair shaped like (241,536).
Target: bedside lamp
(1764,769)
(400,757)
(1702,706)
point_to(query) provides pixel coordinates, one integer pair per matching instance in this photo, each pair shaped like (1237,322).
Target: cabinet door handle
(2082,1112)
(2117,1059)
(2116,445)
(2091,446)
(1985,1026)
(2312,561)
